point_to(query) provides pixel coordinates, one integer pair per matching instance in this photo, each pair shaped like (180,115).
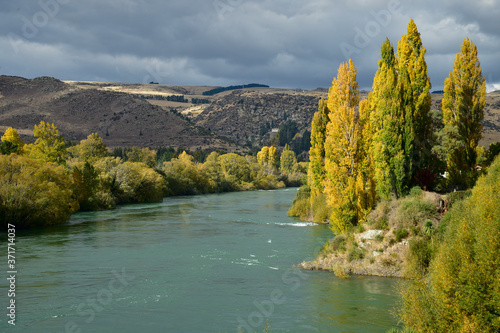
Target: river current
(211,263)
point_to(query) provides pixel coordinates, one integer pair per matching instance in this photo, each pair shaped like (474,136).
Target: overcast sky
(289,44)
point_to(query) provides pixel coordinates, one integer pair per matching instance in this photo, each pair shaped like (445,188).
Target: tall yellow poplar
(341,146)
(462,105)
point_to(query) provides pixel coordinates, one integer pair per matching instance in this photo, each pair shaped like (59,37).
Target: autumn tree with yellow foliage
(344,184)
(268,159)
(49,145)
(400,103)
(462,105)
(11,142)
(461,291)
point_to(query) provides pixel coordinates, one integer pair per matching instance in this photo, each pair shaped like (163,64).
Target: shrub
(461,291)
(457,196)
(381,223)
(413,211)
(360,228)
(301,206)
(428,227)
(341,271)
(339,243)
(378,216)
(388,262)
(401,234)
(355,253)
(420,255)
(416,192)
(320,209)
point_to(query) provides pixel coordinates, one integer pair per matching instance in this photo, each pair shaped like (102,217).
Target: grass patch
(337,244)
(413,212)
(355,253)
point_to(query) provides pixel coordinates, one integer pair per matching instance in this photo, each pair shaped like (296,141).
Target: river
(211,263)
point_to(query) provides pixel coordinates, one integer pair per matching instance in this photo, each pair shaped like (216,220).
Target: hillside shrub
(461,291)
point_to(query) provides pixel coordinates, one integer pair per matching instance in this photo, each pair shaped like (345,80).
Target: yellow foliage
(90,149)
(463,103)
(49,145)
(13,137)
(346,172)
(33,192)
(461,293)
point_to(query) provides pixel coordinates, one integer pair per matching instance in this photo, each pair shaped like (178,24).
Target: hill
(248,115)
(116,115)
(491,122)
(152,115)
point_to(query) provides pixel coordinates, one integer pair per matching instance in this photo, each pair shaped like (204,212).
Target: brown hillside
(80,108)
(242,115)
(119,118)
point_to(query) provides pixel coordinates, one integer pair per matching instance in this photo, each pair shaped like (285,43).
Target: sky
(284,44)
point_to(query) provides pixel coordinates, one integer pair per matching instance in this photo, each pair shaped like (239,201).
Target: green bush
(401,234)
(416,192)
(355,253)
(421,251)
(320,209)
(301,206)
(413,212)
(457,196)
(382,223)
(428,227)
(339,243)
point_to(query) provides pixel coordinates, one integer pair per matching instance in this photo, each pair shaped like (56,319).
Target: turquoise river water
(212,263)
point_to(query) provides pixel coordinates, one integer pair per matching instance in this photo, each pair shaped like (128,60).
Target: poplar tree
(414,87)
(387,126)
(462,105)
(342,135)
(11,143)
(288,160)
(365,182)
(401,125)
(268,158)
(316,170)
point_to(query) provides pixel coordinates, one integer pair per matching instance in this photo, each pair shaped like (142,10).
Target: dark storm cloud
(281,43)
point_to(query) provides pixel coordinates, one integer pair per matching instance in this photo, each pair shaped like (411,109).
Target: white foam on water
(298,224)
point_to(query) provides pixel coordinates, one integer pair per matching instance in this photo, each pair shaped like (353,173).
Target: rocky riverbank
(381,246)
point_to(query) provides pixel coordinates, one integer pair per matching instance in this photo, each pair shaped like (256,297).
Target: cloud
(221,42)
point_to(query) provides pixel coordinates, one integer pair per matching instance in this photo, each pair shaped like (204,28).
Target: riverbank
(395,231)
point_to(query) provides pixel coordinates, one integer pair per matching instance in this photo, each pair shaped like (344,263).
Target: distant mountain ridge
(120,119)
(228,120)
